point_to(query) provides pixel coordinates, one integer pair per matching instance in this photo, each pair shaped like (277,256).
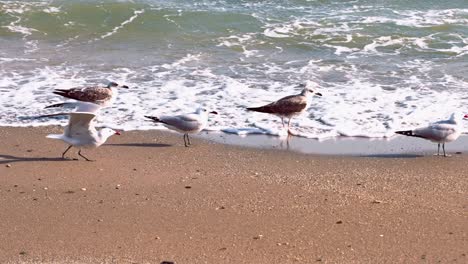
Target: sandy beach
(148,199)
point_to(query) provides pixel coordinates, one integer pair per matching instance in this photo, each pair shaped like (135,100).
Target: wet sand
(148,199)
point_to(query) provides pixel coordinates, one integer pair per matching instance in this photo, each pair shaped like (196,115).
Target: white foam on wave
(15,59)
(383,41)
(186,59)
(20,29)
(422,19)
(275,33)
(340,49)
(356,107)
(240,42)
(136,13)
(51,10)
(357,101)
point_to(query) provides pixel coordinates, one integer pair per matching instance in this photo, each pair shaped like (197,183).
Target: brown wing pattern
(286,105)
(88,94)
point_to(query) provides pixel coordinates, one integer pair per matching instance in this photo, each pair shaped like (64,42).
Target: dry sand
(148,199)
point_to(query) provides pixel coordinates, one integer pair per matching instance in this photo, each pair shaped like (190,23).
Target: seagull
(80,131)
(440,132)
(186,124)
(101,95)
(287,107)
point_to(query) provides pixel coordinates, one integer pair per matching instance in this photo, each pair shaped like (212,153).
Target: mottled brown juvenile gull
(101,95)
(186,124)
(287,107)
(440,132)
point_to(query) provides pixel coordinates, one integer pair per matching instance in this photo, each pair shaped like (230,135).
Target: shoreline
(396,146)
(148,199)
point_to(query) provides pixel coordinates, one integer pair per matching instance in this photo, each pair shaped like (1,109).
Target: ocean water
(380,65)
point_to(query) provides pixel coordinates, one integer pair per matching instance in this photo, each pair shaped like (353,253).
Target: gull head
(309,88)
(116,85)
(106,132)
(205,111)
(457,117)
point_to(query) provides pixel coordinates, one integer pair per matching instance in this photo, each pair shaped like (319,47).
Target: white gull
(186,124)
(81,131)
(440,132)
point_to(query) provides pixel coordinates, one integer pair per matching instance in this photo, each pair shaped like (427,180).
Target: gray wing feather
(182,122)
(436,131)
(80,124)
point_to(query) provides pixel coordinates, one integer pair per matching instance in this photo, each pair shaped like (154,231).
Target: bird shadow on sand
(393,156)
(147,145)
(6,159)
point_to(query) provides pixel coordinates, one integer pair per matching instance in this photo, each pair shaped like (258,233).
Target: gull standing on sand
(440,132)
(80,131)
(100,95)
(186,123)
(287,107)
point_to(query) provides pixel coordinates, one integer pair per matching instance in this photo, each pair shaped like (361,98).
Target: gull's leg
(289,125)
(438,150)
(443,147)
(63,154)
(188,139)
(185,141)
(282,121)
(79,153)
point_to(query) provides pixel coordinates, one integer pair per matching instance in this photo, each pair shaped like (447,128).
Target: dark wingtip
(58,92)
(405,133)
(153,118)
(54,105)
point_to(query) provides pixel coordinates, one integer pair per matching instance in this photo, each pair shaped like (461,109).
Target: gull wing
(87,94)
(78,106)
(188,122)
(288,104)
(436,131)
(80,124)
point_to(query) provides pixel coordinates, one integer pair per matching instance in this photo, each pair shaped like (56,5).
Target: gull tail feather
(56,105)
(262,109)
(60,92)
(154,118)
(54,136)
(409,133)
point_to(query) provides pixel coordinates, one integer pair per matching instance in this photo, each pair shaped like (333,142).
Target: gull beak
(214,112)
(319,94)
(124,86)
(117,133)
